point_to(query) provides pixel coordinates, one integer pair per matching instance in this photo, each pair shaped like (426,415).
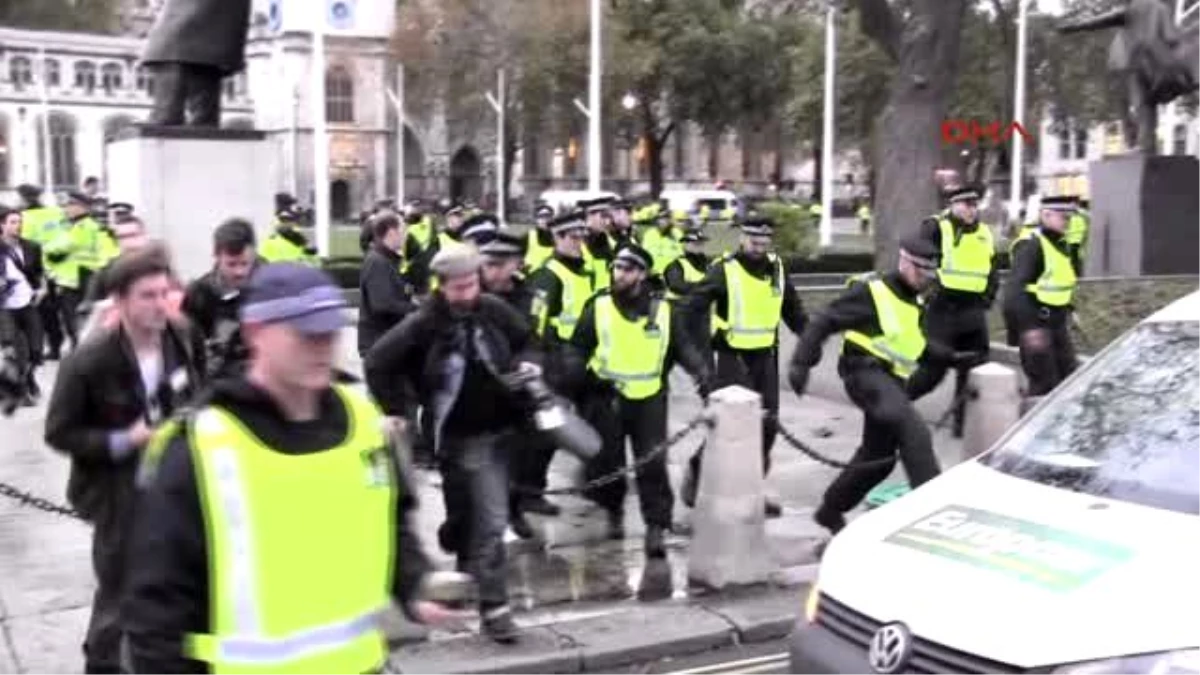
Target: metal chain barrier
(705,419)
(38,503)
(803,447)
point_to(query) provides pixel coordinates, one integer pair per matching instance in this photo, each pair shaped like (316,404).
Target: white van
(1072,546)
(688,201)
(561,200)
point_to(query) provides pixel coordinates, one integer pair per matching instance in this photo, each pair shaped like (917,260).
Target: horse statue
(1157,58)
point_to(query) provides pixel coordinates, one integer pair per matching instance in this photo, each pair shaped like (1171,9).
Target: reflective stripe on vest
(285,597)
(755,306)
(535,252)
(902,341)
(1056,285)
(630,354)
(965,266)
(576,289)
(663,247)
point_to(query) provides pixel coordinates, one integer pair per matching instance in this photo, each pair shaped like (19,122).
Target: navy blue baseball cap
(303,297)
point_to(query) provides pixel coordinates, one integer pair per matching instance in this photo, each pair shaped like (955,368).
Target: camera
(551,416)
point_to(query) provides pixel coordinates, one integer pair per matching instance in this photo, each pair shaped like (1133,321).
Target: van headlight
(1180,661)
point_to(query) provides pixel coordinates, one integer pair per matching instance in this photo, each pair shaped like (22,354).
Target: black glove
(798,378)
(310,250)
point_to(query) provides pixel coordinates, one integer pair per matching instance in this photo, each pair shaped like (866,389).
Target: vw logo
(890,648)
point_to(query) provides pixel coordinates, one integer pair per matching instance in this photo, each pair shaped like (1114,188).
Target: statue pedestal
(184,181)
(1145,216)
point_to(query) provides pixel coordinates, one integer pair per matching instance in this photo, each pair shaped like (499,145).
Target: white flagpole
(320,132)
(594,74)
(1018,142)
(500,142)
(48,163)
(827,168)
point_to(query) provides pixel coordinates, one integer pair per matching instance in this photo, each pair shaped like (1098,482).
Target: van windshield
(1128,428)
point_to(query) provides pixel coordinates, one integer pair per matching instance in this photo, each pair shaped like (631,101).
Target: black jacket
(932,231)
(28,261)
(167,583)
(713,290)
(99,392)
(681,349)
(213,310)
(854,310)
(386,295)
(451,365)
(1022,311)
(520,297)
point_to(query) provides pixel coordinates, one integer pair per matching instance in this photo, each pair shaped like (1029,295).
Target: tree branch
(878,21)
(666,133)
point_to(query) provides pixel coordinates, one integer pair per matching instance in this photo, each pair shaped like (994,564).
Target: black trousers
(1047,355)
(68,312)
(644,423)
(102,646)
(963,329)
(51,315)
(530,457)
(757,370)
(22,328)
(475,487)
(891,426)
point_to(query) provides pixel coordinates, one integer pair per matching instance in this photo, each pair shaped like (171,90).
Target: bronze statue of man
(1157,58)
(193,45)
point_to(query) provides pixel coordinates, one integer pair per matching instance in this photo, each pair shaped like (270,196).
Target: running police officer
(628,341)
(562,285)
(752,295)
(272,526)
(1038,297)
(883,345)
(967,281)
(540,244)
(287,243)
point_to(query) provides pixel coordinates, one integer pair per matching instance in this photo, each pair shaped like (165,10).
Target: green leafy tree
(94,16)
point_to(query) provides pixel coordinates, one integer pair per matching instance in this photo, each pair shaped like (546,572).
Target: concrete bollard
(729,536)
(992,409)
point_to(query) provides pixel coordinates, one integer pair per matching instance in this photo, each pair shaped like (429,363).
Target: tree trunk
(908,146)
(654,152)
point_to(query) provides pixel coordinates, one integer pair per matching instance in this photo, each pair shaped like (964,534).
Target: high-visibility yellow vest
(630,354)
(422,232)
(535,252)
(42,223)
(301,547)
(694,275)
(861,278)
(1077,229)
(755,305)
(902,342)
(965,266)
(664,247)
(576,289)
(1026,230)
(1056,286)
(597,267)
(278,249)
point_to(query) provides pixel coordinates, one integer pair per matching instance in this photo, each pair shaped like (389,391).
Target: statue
(1157,58)
(193,45)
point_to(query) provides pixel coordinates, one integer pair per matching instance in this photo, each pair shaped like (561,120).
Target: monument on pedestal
(1145,215)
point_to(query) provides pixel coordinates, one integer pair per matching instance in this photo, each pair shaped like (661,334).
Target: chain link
(803,447)
(38,503)
(703,419)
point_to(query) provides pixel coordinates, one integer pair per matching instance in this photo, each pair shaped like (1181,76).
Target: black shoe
(772,509)
(447,539)
(520,526)
(32,387)
(540,506)
(53,355)
(830,520)
(687,489)
(616,525)
(498,624)
(655,543)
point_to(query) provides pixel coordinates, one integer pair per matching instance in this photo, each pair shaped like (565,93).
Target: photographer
(21,279)
(211,302)
(455,353)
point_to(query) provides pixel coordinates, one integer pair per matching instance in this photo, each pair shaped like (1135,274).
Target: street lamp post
(1018,142)
(497,103)
(320,134)
(397,99)
(594,73)
(827,168)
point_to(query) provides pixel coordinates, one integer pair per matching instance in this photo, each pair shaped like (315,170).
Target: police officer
(600,246)
(663,241)
(967,281)
(273,525)
(75,255)
(287,243)
(883,345)
(562,285)
(1079,226)
(479,228)
(620,224)
(1038,297)
(540,244)
(752,295)
(683,276)
(629,343)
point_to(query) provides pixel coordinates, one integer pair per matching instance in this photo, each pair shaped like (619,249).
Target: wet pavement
(569,576)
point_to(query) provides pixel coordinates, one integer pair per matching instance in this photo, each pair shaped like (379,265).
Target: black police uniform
(643,422)
(955,318)
(891,424)
(1050,361)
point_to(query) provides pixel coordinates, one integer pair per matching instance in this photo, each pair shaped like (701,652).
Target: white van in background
(688,201)
(561,200)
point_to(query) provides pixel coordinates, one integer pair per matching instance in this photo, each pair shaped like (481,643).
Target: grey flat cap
(455,261)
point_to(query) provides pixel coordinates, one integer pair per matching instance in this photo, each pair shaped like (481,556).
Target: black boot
(498,624)
(829,519)
(541,506)
(655,543)
(616,524)
(520,525)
